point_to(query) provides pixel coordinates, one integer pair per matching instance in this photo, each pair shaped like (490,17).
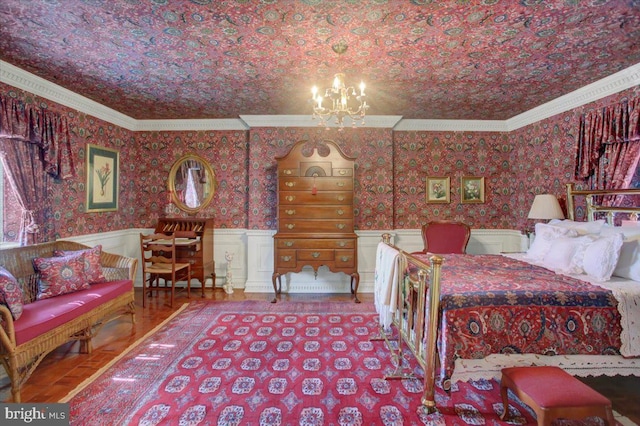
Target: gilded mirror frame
(202,183)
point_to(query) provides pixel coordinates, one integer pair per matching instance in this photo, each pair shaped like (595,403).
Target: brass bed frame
(417,313)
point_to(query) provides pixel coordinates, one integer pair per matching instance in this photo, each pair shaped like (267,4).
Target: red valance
(612,134)
(46,129)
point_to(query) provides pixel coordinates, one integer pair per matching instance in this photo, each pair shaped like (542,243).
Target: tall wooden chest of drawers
(199,255)
(315,213)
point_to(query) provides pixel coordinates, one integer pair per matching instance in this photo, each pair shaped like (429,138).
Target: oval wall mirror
(191,183)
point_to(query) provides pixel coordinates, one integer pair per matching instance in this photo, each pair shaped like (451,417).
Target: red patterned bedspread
(493,304)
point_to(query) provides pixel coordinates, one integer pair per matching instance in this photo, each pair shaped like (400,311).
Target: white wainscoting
(252,265)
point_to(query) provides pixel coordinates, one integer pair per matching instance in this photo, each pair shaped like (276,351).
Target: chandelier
(339,101)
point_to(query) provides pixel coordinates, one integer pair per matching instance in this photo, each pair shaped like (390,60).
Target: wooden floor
(64,369)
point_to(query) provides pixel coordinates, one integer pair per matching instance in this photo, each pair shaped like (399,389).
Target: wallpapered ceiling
(161,59)
(391,168)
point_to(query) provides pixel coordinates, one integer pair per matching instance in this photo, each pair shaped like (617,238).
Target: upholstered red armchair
(445,237)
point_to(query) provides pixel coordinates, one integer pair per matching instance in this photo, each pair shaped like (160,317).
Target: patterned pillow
(10,293)
(60,275)
(91,258)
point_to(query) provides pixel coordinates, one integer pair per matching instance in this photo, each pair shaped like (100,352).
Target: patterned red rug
(257,363)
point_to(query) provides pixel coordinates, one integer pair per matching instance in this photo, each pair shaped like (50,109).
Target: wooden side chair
(445,237)
(159,262)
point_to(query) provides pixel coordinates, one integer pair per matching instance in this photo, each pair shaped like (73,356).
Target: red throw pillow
(60,275)
(91,258)
(10,293)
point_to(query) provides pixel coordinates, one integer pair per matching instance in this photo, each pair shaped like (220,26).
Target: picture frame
(103,170)
(438,189)
(472,189)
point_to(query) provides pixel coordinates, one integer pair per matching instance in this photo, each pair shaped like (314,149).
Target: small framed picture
(438,189)
(102,179)
(472,189)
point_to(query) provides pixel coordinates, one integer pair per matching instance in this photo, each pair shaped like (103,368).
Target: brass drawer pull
(315,254)
(291,225)
(340,197)
(342,172)
(290,198)
(290,184)
(341,226)
(288,243)
(345,258)
(340,184)
(340,212)
(342,243)
(287,172)
(290,212)
(286,258)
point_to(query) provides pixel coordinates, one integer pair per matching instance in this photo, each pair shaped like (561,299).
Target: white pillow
(629,261)
(583,228)
(566,254)
(628,232)
(544,237)
(601,257)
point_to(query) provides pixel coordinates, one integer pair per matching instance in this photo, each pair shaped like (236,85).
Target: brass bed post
(433,302)
(570,202)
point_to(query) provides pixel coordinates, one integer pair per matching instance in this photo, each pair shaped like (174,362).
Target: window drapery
(609,145)
(35,147)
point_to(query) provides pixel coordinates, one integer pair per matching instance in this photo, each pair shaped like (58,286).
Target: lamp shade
(545,206)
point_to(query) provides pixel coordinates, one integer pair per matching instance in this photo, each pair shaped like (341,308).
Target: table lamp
(545,206)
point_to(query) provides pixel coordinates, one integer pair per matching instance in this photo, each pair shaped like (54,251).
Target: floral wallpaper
(419,155)
(391,171)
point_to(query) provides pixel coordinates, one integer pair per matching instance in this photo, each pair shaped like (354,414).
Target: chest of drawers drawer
(315,212)
(315,243)
(315,226)
(320,184)
(320,198)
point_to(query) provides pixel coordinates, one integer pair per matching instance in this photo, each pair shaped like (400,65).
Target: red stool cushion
(553,387)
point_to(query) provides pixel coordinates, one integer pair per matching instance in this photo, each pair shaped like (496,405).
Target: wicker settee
(78,315)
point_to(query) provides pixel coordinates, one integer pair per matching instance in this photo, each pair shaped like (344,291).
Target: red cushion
(46,314)
(59,275)
(553,387)
(91,258)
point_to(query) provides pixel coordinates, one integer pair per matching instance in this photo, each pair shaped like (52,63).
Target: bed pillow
(91,259)
(601,257)
(543,240)
(59,275)
(10,293)
(566,255)
(582,228)
(629,261)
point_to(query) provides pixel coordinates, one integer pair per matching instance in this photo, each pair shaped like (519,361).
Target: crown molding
(195,125)
(622,80)
(452,125)
(371,121)
(610,85)
(24,80)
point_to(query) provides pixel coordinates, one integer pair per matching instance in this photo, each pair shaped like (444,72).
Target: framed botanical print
(472,189)
(438,189)
(103,169)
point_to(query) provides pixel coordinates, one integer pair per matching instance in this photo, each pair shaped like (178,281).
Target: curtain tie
(31,226)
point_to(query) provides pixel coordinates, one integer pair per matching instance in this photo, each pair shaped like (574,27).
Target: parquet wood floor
(64,369)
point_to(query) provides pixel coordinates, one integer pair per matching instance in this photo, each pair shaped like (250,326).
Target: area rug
(257,363)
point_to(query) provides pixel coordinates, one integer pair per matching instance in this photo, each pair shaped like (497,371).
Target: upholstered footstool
(553,394)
